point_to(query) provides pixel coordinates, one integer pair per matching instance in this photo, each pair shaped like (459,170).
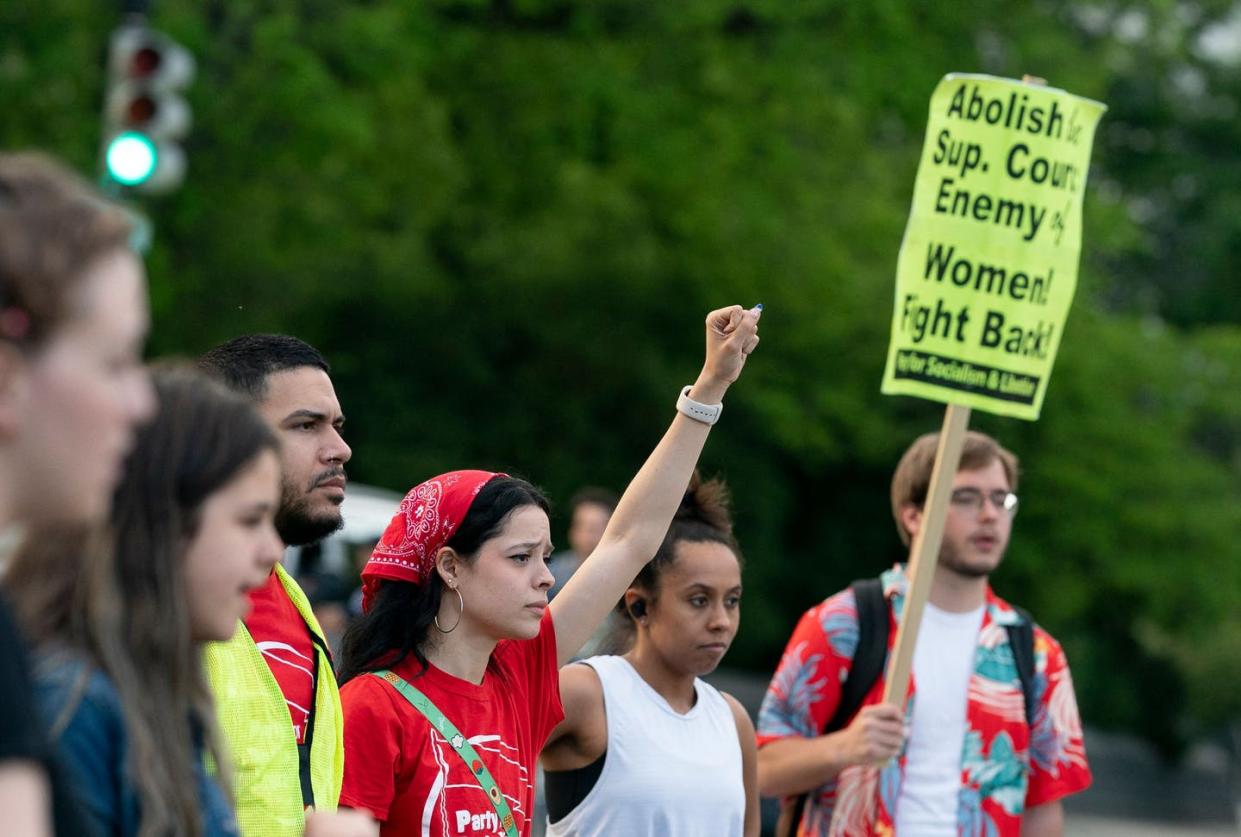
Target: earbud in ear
(638,608)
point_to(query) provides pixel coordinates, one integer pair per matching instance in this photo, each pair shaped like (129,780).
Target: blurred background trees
(503,220)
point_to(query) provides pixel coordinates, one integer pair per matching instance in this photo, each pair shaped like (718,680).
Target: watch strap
(705,413)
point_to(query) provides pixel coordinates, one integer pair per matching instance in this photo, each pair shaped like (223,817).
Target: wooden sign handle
(924,555)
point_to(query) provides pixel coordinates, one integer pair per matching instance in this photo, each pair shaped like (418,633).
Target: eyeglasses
(972,499)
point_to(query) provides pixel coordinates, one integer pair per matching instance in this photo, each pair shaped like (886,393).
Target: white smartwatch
(705,413)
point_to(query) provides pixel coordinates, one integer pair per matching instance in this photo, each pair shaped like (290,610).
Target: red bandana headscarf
(429,515)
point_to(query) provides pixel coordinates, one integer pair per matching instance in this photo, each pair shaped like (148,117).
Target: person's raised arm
(645,511)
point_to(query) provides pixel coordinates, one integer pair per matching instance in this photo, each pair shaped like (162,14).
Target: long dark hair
(704,516)
(400,619)
(122,600)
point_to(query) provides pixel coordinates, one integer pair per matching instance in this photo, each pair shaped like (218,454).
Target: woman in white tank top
(647,748)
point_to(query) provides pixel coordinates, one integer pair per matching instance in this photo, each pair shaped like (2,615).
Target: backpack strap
(1021,643)
(870,654)
(460,744)
(872,649)
(868,659)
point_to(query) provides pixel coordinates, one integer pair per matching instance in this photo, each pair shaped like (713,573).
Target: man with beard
(276,696)
(991,740)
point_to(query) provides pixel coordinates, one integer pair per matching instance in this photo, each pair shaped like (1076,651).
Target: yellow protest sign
(988,265)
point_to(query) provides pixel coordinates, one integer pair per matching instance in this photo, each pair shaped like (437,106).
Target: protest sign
(984,280)
(988,265)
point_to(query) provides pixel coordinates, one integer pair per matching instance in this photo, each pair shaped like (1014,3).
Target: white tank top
(665,774)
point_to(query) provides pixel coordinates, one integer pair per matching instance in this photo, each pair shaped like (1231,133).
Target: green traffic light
(131,158)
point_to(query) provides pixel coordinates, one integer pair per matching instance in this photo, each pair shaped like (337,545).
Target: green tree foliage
(503,220)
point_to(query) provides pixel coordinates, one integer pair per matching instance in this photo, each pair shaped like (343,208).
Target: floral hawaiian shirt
(1007,765)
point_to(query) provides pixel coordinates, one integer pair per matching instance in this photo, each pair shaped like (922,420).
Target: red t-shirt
(407,775)
(280,633)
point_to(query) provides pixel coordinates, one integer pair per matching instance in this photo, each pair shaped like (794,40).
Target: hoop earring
(459,614)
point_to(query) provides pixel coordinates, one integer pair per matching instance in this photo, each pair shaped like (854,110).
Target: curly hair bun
(707,502)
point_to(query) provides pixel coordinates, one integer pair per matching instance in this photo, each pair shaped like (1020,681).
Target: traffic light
(145,116)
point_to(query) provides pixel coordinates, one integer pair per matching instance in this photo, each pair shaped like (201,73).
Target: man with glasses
(983,747)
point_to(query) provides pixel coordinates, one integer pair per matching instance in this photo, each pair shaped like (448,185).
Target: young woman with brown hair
(120,618)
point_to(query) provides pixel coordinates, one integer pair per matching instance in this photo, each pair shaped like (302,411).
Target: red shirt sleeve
(283,638)
(1058,765)
(373,736)
(805,689)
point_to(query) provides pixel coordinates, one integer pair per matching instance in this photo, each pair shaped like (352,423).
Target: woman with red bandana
(449,680)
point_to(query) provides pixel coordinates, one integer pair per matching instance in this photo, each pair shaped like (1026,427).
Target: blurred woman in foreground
(73,318)
(120,619)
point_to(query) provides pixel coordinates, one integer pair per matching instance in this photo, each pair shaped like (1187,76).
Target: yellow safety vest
(254,720)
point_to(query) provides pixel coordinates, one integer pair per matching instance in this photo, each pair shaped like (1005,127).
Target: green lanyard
(465,750)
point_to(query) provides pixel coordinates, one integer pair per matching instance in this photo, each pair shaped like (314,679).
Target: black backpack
(868,660)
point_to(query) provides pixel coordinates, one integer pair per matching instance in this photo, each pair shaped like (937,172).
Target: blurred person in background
(450,678)
(120,616)
(590,509)
(646,747)
(994,739)
(589,512)
(275,692)
(359,554)
(328,593)
(73,320)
